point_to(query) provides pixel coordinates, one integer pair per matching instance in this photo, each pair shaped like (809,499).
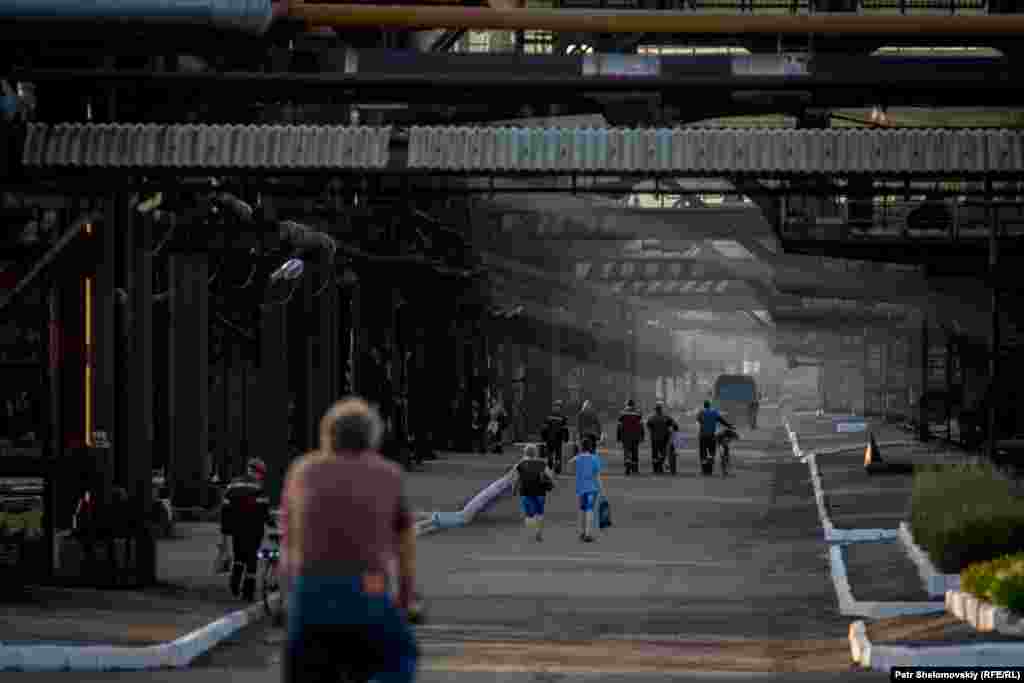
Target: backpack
(534,476)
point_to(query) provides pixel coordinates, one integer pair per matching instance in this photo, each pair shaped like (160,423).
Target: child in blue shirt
(589,484)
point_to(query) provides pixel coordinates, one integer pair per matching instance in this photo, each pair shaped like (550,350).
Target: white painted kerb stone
(860,646)
(936,583)
(983,615)
(176,654)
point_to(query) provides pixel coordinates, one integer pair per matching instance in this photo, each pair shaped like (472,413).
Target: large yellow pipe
(605,21)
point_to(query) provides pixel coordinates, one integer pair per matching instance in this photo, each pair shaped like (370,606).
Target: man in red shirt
(630,434)
(350,540)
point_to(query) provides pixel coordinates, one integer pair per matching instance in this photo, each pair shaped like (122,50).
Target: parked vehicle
(737,397)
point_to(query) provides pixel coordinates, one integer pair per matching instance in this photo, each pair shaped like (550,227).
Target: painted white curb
(983,615)
(881,657)
(173,655)
(851,607)
(862,535)
(844,593)
(837,450)
(860,646)
(837,538)
(176,654)
(936,583)
(885,657)
(819,497)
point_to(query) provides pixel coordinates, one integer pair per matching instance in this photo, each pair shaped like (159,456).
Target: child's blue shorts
(532,506)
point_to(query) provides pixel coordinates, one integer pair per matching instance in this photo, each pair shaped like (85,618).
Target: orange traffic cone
(874,464)
(872,456)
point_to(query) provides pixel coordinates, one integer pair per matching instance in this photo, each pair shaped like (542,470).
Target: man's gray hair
(352,425)
(531,451)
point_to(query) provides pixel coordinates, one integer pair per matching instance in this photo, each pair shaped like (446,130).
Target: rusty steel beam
(631,21)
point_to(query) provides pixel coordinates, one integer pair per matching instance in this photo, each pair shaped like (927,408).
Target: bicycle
(270,558)
(553,454)
(724,438)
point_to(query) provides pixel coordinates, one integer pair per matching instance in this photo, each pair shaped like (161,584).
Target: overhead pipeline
(252,16)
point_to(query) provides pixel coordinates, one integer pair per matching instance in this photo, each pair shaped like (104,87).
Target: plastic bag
(604,514)
(222,562)
(679,441)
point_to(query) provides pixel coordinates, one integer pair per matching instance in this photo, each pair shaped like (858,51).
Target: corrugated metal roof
(201,146)
(715,150)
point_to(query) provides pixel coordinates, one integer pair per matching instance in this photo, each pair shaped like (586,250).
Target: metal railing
(949,220)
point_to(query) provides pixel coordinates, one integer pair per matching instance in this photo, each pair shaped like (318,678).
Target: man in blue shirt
(589,484)
(709,419)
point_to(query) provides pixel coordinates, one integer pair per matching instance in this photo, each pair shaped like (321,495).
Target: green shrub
(962,514)
(999,581)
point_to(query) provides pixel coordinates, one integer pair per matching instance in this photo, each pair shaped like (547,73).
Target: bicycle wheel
(725,461)
(270,585)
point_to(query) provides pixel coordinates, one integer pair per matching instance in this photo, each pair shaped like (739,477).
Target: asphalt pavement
(726,576)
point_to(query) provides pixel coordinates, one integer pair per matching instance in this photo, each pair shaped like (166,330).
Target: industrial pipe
(304,238)
(253,16)
(990,86)
(624,21)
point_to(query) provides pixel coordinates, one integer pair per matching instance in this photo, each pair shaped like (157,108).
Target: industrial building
(219,222)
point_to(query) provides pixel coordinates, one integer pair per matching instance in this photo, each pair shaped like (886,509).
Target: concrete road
(697,574)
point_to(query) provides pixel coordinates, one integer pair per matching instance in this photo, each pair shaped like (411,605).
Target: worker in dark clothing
(243,520)
(630,434)
(555,434)
(709,419)
(660,426)
(588,423)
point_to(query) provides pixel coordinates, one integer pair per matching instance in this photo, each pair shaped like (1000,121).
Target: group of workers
(631,431)
(348,560)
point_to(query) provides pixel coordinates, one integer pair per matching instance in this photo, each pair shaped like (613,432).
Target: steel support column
(269,427)
(307,329)
(923,432)
(949,388)
(867,372)
(994,341)
(355,342)
(272,397)
(396,375)
(557,390)
(327,374)
(137,470)
(910,381)
(53,438)
(224,431)
(189,378)
(885,377)
(107,345)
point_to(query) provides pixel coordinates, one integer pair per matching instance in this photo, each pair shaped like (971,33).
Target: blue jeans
(336,629)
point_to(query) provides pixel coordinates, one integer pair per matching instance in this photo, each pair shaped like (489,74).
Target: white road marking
(691,499)
(597,559)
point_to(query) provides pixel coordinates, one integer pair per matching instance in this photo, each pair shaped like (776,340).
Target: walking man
(556,434)
(709,419)
(660,426)
(243,520)
(630,434)
(588,423)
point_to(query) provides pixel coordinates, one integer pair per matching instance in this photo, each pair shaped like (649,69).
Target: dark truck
(737,398)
